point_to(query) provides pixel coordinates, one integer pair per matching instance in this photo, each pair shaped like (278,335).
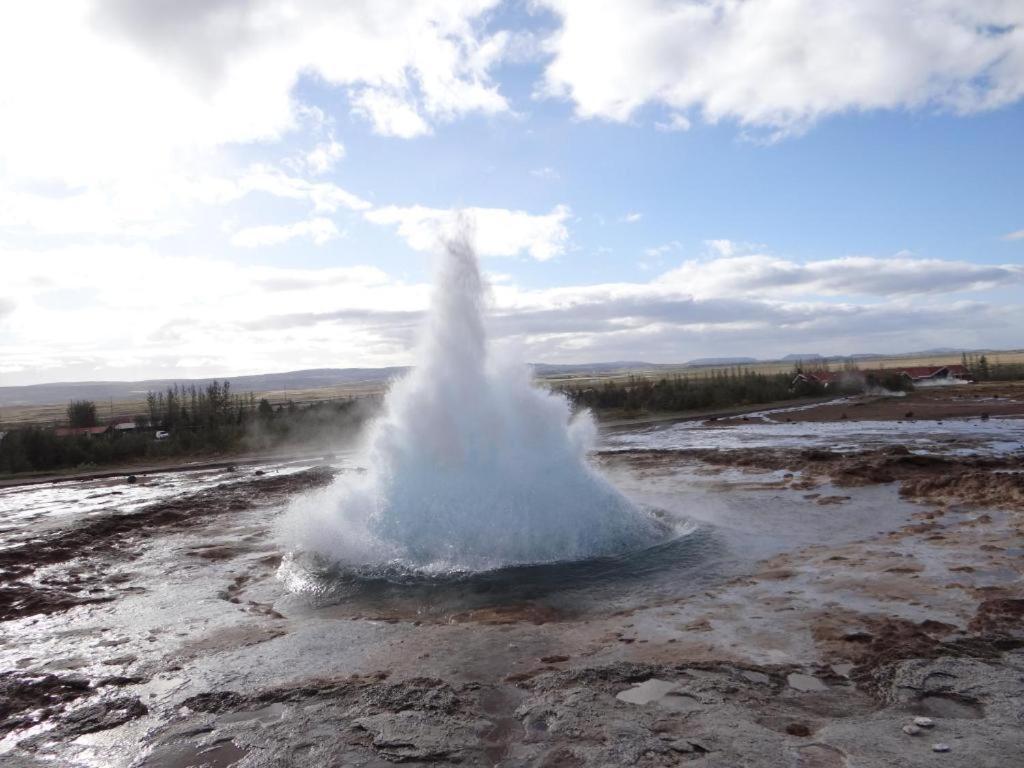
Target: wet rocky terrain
(838,579)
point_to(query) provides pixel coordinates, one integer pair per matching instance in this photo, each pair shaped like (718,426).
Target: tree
(265,410)
(983,372)
(82,413)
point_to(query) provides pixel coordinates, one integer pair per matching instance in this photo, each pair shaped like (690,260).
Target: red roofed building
(829,379)
(924,374)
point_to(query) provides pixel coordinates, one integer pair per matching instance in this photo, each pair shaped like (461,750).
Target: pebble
(924,722)
(911,730)
(940,747)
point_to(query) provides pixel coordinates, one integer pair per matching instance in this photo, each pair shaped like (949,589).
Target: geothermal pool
(716,526)
(173,591)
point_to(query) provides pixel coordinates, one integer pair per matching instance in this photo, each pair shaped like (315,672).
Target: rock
(412,736)
(798,729)
(911,730)
(805,683)
(843,670)
(924,722)
(756,677)
(554,659)
(940,747)
(647,691)
(132,479)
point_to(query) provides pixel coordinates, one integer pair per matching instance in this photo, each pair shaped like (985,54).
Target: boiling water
(470,467)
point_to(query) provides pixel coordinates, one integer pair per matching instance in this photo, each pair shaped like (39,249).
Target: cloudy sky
(210,187)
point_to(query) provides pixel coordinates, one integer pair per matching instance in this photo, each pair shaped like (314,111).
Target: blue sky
(242,186)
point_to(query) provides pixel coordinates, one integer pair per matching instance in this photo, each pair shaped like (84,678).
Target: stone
(805,683)
(911,730)
(924,722)
(940,747)
(646,692)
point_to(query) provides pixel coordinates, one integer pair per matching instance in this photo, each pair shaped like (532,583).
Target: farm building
(936,374)
(924,375)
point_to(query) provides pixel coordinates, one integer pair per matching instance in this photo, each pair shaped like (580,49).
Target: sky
(197,188)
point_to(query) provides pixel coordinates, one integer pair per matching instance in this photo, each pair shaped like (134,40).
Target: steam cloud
(470,466)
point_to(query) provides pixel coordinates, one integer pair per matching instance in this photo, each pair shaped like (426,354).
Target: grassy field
(53,415)
(780,366)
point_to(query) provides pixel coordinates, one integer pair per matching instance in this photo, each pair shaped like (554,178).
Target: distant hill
(554,369)
(722,361)
(317,378)
(323,378)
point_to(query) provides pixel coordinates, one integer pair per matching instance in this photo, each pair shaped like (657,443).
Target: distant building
(923,375)
(828,379)
(815,377)
(935,374)
(125,426)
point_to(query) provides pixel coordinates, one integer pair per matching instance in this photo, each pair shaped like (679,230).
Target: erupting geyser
(470,466)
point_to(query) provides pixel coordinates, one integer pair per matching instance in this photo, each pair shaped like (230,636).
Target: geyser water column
(470,466)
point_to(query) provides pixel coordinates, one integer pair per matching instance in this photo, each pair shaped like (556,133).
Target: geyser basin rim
(312,575)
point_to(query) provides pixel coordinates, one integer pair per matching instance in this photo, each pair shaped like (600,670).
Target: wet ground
(834,580)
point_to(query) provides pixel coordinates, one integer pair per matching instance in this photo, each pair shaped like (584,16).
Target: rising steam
(470,466)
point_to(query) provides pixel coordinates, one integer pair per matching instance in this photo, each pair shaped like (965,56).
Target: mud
(982,481)
(970,401)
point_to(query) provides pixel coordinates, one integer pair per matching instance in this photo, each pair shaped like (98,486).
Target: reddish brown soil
(968,401)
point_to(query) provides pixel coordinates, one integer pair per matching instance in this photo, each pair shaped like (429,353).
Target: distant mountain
(721,361)
(808,356)
(942,351)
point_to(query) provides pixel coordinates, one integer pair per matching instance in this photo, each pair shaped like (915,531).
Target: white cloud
(390,114)
(1018,235)
(762,275)
(498,231)
(677,121)
(324,156)
(117,114)
(632,217)
(722,247)
(149,85)
(325,197)
(782,64)
(103,311)
(547,173)
(664,248)
(319,230)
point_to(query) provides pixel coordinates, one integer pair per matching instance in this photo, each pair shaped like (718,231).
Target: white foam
(470,466)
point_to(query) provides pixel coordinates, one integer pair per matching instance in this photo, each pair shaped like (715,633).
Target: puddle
(220,755)
(660,692)
(993,436)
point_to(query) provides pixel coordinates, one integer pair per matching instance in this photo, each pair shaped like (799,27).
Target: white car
(162,435)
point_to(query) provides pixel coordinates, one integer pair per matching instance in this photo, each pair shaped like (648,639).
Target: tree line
(983,370)
(198,420)
(719,389)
